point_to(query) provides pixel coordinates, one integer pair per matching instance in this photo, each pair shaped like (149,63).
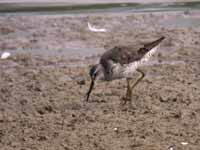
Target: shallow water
(69,53)
(58,9)
(182,22)
(55,8)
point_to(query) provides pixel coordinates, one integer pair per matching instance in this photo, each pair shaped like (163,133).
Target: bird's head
(96,73)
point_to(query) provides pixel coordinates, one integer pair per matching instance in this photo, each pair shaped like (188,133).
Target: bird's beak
(90,89)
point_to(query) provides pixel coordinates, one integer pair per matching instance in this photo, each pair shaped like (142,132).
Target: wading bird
(122,62)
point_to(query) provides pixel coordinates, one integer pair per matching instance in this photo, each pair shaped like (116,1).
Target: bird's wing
(119,54)
(127,54)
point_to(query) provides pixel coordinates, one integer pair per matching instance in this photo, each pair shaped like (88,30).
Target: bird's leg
(142,74)
(131,87)
(128,93)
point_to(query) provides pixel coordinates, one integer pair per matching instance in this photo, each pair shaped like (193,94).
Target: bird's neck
(101,70)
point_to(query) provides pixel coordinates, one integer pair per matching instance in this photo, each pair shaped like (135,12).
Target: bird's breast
(116,71)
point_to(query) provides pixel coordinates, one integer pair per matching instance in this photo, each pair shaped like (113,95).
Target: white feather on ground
(5,55)
(184,143)
(93,29)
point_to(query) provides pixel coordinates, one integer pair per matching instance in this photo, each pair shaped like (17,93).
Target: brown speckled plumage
(126,54)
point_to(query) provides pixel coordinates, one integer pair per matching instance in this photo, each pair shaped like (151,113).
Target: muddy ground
(42,96)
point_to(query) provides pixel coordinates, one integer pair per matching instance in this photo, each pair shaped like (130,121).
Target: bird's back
(124,55)
(121,54)
(128,54)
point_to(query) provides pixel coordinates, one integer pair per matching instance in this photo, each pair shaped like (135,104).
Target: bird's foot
(126,101)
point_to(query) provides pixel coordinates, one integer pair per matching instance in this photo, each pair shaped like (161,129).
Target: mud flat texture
(42,86)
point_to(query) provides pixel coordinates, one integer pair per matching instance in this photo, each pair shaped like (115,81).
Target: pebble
(80,80)
(116,129)
(184,143)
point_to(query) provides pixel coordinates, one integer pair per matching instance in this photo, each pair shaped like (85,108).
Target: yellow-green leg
(142,74)
(128,92)
(131,87)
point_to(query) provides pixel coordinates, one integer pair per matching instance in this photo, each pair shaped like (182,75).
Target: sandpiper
(121,62)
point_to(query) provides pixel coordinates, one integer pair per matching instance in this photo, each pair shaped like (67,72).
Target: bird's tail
(153,44)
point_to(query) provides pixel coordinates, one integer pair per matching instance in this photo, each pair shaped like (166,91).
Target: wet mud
(42,96)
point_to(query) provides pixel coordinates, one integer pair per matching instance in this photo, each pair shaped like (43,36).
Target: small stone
(80,80)
(116,129)
(172,147)
(184,143)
